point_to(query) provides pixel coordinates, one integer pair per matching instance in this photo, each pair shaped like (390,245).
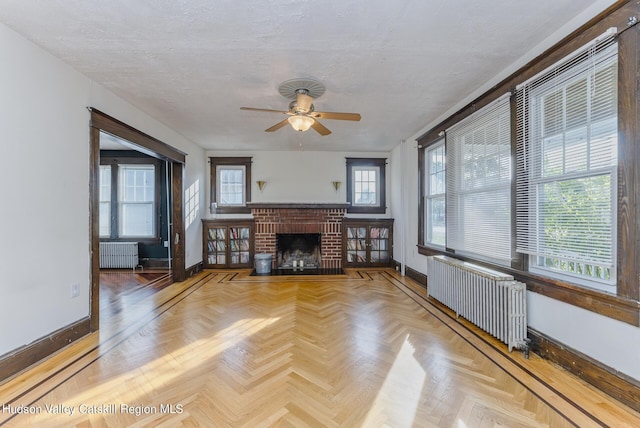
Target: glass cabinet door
(356,244)
(239,245)
(216,246)
(379,240)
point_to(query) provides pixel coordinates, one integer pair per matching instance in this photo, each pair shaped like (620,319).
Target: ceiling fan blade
(337,116)
(320,128)
(278,125)
(264,109)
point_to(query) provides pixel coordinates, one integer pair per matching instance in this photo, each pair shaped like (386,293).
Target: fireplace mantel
(297,205)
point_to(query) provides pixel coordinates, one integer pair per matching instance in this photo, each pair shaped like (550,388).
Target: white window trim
(356,168)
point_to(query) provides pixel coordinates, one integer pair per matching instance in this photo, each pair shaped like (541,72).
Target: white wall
(611,342)
(300,176)
(44,182)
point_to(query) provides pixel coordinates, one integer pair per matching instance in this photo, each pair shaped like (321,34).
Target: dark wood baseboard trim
(418,277)
(618,385)
(192,270)
(155,263)
(22,358)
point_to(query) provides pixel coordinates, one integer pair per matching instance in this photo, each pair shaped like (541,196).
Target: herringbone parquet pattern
(335,351)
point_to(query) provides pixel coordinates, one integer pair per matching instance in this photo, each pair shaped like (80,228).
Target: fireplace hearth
(298,250)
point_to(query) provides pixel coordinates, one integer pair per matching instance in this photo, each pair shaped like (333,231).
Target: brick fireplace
(284,218)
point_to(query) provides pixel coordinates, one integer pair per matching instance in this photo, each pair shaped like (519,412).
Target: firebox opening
(298,250)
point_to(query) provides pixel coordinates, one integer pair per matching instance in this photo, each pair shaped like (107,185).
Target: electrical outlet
(75,290)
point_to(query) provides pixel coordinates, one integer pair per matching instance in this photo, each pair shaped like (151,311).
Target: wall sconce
(261,184)
(336,184)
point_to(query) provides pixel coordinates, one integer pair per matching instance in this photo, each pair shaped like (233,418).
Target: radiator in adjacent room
(492,300)
(115,255)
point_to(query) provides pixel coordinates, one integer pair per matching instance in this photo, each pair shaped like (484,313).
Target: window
(136,202)
(129,194)
(567,168)
(576,212)
(105,201)
(366,185)
(478,187)
(435,185)
(230,184)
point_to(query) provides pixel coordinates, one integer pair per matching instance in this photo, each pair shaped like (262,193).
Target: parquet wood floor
(119,288)
(361,349)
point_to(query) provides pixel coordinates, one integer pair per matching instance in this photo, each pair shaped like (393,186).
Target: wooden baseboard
(420,278)
(192,270)
(618,385)
(22,358)
(155,263)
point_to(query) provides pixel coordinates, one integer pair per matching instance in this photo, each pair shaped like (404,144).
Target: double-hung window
(230,184)
(567,163)
(478,186)
(435,186)
(129,193)
(136,202)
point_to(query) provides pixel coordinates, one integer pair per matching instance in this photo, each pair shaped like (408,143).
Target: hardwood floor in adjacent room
(362,349)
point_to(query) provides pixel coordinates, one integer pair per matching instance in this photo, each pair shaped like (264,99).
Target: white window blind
(478,201)
(566,165)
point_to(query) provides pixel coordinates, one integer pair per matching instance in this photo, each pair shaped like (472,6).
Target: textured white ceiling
(193,63)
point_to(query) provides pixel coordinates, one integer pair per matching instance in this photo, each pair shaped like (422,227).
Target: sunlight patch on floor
(397,399)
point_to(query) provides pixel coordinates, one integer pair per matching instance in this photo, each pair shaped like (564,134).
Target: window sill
(608,305)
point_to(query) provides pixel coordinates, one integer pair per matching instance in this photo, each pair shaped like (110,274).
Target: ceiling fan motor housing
(302,105)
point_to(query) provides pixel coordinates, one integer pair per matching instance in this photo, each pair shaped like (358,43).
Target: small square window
(230,184)
(366,185)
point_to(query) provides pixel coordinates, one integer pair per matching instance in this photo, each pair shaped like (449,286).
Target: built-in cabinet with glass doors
(227,243)
(367,242)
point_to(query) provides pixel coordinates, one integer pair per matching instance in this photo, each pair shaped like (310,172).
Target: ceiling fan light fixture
(300,122)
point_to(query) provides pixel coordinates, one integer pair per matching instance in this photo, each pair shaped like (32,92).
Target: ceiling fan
(302,114)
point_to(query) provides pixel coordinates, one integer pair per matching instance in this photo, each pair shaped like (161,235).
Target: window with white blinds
(478,196)
(566,167)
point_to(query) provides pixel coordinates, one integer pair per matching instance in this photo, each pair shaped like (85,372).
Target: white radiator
(116,255)
(492,300)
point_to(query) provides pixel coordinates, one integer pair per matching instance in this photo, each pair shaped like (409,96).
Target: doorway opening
(136,213)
